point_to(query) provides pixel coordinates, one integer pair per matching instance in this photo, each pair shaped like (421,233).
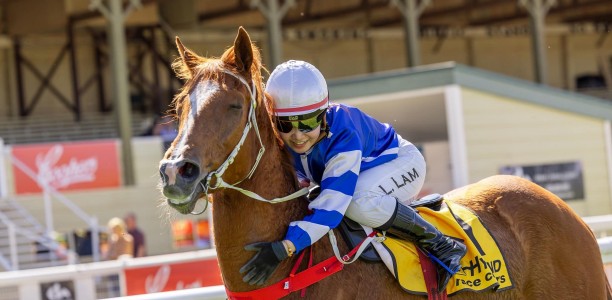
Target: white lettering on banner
(181,286)
(156,283)
(59,176)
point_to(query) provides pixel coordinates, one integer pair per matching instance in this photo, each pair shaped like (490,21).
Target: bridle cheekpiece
(218,173)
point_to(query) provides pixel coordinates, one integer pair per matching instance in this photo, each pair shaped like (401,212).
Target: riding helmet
(299,91)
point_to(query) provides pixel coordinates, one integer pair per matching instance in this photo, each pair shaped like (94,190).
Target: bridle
(218,173)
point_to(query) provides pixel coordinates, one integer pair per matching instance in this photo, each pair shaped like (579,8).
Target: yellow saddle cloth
(482,268)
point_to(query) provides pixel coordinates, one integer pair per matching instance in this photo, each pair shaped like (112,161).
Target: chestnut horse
(228,152)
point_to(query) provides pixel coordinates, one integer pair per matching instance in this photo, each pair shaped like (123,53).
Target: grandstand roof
(395,95)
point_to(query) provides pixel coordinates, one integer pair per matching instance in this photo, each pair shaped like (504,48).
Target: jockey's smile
(299,141)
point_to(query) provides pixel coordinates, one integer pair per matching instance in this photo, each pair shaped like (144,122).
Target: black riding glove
(264,263)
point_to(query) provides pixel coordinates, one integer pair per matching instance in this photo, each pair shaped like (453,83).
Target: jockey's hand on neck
(264,263)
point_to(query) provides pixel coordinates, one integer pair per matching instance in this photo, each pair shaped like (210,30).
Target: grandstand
(61,128)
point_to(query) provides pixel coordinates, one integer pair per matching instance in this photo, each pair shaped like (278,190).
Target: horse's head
(213,108)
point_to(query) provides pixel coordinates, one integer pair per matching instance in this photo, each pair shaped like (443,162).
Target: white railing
(13,264)
(600,225)
(85,276)
(48,191)
(203,293)
(31,235)
(13,230)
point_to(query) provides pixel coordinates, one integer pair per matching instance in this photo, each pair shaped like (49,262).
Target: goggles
(304,126)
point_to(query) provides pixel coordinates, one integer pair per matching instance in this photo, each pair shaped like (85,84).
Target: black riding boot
(409,225)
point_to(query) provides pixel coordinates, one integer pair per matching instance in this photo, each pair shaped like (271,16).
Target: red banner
(171,277)
(67,166)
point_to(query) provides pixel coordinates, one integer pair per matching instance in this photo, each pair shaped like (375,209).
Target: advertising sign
(58,290)
(67,166)
(562,179)
(171,277)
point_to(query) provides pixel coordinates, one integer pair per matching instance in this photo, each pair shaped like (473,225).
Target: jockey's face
(301,142)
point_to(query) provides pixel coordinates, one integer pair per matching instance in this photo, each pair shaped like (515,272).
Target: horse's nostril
(163,177)
(189,171)
(162,173)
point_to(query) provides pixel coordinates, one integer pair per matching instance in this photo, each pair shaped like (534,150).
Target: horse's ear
(189,58)
(243,51)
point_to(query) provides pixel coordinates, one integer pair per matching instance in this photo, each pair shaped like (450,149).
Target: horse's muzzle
(179,179)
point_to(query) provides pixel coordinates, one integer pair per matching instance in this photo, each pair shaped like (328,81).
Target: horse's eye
(236,106)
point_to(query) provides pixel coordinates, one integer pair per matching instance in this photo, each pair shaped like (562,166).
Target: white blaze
(198,97)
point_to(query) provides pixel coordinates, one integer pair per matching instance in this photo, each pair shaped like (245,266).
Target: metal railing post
(48,211)
(95,239)
(3,182)
(13,247)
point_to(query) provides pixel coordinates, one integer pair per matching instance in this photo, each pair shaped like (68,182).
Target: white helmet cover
(299,90)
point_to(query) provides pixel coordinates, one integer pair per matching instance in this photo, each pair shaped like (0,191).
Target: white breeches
(378,189)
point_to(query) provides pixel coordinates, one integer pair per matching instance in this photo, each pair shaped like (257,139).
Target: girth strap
(431,277)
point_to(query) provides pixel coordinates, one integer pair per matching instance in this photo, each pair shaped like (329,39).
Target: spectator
(120,242)
(140,248)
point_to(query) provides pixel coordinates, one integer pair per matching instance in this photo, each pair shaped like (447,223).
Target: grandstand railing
(6,264)
(58,128)
(13,231)
(48,193)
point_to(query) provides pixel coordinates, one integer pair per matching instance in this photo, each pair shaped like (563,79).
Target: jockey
(365,170)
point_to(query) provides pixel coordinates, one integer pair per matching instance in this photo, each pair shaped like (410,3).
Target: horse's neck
(240,220)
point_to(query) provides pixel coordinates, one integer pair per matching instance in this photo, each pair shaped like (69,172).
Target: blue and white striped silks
(356,142)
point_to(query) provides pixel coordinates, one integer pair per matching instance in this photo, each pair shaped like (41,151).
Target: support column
(7,74)
(98,40)
(158,108)
(74,71)
(21,105)
(274,14)
(116,16)
(537,10)
(469,45)
(411,10)
(5,50)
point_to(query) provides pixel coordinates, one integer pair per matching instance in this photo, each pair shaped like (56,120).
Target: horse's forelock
(211,68)
(183,70)
(206,70)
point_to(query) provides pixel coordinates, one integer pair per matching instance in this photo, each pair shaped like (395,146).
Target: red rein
(299,281)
